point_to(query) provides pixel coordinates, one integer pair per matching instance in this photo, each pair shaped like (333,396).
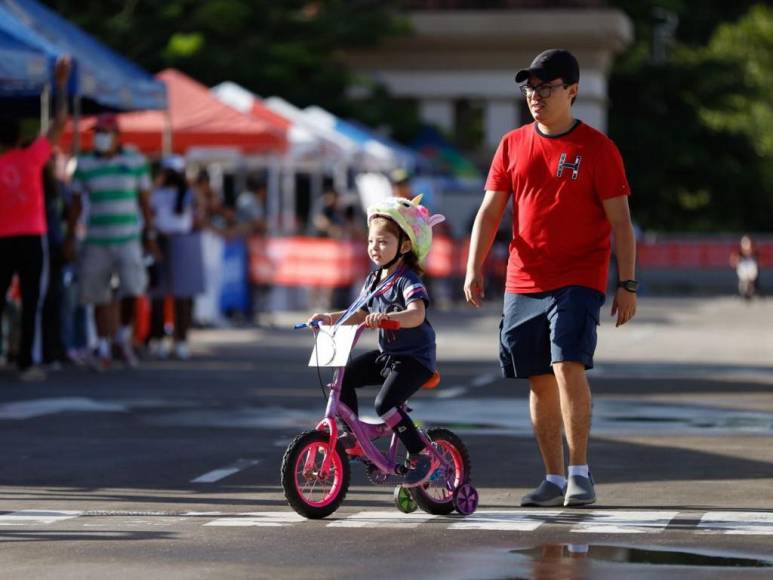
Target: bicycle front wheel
(310,492)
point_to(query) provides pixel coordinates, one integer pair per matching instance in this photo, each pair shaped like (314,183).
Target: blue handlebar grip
(300,325)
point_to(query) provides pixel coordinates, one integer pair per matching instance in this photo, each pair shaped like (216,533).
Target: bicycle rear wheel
(310,493)
(437,495)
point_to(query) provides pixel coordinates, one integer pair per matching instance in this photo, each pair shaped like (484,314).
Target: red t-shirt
(22,205)
(561,235)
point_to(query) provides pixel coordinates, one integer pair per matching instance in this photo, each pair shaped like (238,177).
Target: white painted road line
(483,380)
(504,520)
(223,472)
(516,520)
(393,519)
(36,517)
(19,410)
(736,523)
(259,519)
(625,522)
(450,392)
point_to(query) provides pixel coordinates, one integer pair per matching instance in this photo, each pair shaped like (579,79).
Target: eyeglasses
(544,90)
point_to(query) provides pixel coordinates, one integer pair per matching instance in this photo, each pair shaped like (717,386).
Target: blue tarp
(23,69)
(105,80)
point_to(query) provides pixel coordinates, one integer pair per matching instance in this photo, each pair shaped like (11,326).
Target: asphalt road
(172,470)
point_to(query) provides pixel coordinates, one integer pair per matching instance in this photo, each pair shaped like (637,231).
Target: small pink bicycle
(316,471)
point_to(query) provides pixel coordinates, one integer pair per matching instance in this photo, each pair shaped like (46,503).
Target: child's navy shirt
(418,342)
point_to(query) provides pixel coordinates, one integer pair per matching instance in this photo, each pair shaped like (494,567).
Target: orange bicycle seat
(432,382)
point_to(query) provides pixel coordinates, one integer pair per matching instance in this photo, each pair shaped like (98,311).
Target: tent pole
(166,138)
(45,108)
(275,170)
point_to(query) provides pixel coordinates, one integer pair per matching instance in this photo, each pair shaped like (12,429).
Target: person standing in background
(117,183)
(181,267)
(746,262)
(23,228)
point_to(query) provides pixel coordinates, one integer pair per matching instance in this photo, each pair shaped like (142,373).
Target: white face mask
(103,142)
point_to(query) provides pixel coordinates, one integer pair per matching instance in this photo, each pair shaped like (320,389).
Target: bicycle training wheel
(404,500)
(437,495)
(310,493)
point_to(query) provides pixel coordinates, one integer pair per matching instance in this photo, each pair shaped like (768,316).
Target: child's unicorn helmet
(412,218)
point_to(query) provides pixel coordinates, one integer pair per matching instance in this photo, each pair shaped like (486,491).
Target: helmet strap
(398,255)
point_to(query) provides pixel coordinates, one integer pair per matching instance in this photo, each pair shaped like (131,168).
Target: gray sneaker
(548,494)
(580,491)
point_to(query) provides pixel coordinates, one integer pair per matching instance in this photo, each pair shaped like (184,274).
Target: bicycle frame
(364,431)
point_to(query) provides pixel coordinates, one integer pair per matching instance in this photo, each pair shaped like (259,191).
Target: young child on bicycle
(399,238)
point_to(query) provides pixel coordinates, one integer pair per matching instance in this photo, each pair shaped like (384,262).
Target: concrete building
(458,60)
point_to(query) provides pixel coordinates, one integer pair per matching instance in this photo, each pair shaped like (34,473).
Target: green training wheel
(404,500)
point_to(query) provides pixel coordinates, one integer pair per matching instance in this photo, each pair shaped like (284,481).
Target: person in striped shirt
(116,182)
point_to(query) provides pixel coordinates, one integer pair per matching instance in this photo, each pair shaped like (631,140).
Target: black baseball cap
(552,64)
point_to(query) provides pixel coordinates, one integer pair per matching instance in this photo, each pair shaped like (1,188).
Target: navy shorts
(543,328)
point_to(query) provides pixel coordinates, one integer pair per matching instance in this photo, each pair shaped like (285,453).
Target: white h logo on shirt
(575,167)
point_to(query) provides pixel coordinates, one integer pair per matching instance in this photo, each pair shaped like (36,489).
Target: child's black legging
(401,376)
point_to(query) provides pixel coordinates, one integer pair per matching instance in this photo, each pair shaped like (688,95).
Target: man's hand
(474,288)
(624,305)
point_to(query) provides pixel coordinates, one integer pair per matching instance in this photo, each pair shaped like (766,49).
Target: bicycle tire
(296,494)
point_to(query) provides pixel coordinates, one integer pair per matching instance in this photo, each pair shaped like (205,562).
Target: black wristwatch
(630,285)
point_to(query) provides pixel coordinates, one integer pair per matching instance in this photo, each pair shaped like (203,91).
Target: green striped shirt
(112,186)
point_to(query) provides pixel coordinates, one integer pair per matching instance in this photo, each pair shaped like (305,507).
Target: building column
(438,112)
(500,116)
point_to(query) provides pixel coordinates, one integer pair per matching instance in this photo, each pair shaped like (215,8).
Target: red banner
(306,261)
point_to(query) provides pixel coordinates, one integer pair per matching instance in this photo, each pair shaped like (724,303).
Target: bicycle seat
(432,382)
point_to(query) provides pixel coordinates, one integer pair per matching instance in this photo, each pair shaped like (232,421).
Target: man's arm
(73,215)
(61,74)
(619,215)
(484,231)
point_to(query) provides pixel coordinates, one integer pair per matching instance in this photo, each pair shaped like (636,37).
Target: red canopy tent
(197,119)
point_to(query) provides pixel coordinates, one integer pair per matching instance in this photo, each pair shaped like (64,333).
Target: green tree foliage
(691,127)
(285,48)
(748,48)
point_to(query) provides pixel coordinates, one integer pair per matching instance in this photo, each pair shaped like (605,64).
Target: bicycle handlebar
(385,324)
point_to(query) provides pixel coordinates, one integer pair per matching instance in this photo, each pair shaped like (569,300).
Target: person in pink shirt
(23,221)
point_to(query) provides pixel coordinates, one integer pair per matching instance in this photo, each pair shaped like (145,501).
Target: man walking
(569,192)
(117,183)
(23,247)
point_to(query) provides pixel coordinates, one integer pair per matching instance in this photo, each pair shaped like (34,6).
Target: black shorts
(543,328)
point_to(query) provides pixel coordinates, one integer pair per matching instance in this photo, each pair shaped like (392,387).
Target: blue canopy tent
(102,79)
(23,70)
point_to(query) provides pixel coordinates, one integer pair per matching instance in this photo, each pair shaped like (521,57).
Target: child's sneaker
(419,470)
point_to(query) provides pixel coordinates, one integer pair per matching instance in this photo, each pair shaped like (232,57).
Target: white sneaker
(127,354)
(158,349)
(181,351)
